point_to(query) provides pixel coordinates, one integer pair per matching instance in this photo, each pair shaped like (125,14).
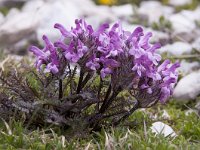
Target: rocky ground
(175,24)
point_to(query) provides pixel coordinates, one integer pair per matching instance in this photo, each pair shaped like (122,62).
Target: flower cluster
(129,59)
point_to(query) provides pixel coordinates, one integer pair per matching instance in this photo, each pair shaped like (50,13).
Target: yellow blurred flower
(107,2)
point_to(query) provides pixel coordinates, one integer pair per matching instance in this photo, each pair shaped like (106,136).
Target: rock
(122,11)
(187,67)
(33,6)
(179,2)
(177,48)
(191,14)
(11,13)
(100,15)
(188,87)
(17,27)
(181,23)
(154,10)
(1,18)
(162,128)
(184,26)
(20,48)
(184,36)
(40,16)
(50,12)
(65,12)
(161,37)
(11,3)
(196,44)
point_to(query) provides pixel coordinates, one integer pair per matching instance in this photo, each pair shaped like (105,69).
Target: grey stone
(179,2)
(17,27)
(184,26)
(1,18)
(188,67)
(188,87)
(177,48)
(122,11)
(196,44)
(155,10)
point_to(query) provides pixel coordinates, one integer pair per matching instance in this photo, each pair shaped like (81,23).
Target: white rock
(100,15)
(123,10)
(17,27)
(65,12)
(191,14)
(158,36)
(154,10)
(196,44)
(188,87)
(1,18)
(12,12)
(177,48)
(179,2)
(187,67)
(51,12)
(161,128)
(56,12)
(33,6)
(182,23)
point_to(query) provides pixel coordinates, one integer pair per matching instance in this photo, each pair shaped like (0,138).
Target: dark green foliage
(163,25)
(41,100)
(190,6)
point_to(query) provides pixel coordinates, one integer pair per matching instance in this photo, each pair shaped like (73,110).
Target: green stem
(80,82)
(184,57)
(60,89)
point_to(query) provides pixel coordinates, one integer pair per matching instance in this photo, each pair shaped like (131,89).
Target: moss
(4,10)
(191,6)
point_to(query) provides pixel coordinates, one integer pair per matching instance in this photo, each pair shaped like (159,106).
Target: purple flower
(129,59)
(93,64)
(51,68)
(144,43)
(39,53)
(105,72)
(47,56)
(109,66)
(139,68)
(52,50)
(62,29)
(169,78)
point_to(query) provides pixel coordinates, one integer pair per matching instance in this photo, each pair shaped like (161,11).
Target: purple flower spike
(38,53)
(145,41)
(93,64)
(137,33)
(101,29)
(105,72)
(139,68)
(72,57)
(163,65)
(129,59)
(63,31)
(51,68)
